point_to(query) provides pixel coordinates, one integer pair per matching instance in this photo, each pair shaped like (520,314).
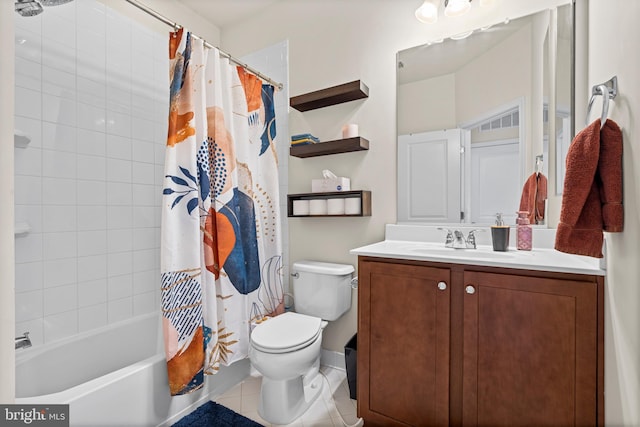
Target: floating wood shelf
(330,147)
(364,197)
(330,96)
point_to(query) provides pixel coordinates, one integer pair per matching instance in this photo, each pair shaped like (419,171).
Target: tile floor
(325,411)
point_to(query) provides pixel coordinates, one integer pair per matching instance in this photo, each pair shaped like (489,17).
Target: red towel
(534,196)
(592,195)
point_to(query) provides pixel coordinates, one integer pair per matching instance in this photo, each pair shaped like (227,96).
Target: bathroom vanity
(478,338)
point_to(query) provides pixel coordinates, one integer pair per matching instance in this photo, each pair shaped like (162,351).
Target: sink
(461,253)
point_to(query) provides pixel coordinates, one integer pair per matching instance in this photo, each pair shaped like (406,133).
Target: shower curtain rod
(175,25)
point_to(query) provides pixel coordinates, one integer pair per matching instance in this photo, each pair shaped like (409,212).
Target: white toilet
(286,348)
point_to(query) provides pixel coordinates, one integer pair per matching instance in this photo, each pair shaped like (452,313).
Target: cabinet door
(530,351)
(403,344)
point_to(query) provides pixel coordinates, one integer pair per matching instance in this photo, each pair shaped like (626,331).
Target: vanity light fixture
(456,7)
(461,35)
(428,12)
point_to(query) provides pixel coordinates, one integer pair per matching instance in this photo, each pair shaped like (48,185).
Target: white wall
(333,42)
(613,50)
(92,93)
(427,105)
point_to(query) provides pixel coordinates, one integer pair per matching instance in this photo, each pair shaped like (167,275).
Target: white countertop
(413,248)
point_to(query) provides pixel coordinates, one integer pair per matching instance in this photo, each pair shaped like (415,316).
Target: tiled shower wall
(92,95)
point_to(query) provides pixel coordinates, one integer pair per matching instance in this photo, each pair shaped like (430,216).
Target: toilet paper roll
(318,207)
(335,206)
(301,207)
(350,130)
(352,206)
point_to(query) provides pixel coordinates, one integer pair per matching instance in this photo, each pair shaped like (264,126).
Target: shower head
(28,7)
(54,2)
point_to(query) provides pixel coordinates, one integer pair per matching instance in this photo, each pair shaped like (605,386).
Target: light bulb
(428,12)
(456,7)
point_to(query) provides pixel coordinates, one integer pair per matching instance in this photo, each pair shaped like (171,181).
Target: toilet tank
(322,289)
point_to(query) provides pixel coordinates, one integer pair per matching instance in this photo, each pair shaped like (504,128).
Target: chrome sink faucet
(23,341)
(455,239)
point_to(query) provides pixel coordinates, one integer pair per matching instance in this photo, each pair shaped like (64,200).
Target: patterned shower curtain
(221,247)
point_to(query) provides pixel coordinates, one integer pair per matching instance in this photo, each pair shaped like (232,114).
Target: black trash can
(351,359)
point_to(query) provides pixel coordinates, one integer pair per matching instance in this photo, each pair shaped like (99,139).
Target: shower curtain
(221,246)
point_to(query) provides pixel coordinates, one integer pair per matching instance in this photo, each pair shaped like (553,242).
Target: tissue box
(330,184)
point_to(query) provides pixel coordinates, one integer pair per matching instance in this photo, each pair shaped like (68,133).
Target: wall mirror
(479,116)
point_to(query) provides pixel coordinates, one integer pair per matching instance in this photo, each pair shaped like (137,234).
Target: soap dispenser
(523,231)
(500,234)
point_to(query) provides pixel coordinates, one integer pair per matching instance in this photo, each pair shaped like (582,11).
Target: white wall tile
(91,117)
(144,282)
(60,299)
(81,77)
(143,129)
(59,83)
(58,110)
(119,193)
(92,292)
(92,192)
(58,164)
(62,325)
(31,127)
(92,317)
(59,245)
(119,287)
(29,247)
(28,43)
(119,240)
(58,191)
(144,238)
(31,214)
(28,73)
(29,276)
(28,161)
(60,272)
(59,137)
(91,167)
(119,147)
(144,303)
(118,124)
(119,310)
(120,263)
(91,218)
(147,259)
(59,56)
(91,142)
(59,218)
(144,173)
(28,103)
(92,243)
(28,305)
(119,217)
(92,268)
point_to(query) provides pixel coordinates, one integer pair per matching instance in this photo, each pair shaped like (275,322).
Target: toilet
(286,348)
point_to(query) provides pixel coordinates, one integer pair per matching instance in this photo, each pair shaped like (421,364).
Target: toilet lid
(287,332)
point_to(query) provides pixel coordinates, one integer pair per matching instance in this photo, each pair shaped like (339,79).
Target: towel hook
(608,90)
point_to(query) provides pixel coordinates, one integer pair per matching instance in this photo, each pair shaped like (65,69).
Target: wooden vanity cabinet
(490,347)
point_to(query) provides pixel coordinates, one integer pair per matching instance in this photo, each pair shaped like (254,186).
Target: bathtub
(113,376)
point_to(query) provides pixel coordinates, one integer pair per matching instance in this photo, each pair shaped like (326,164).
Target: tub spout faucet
(23,341)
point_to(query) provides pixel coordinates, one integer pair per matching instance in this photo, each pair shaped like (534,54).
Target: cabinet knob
(442,286)
(470,290)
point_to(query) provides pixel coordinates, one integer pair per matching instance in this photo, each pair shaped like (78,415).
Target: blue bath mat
(213,414)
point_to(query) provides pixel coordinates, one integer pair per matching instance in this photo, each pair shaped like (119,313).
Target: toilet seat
(286,333)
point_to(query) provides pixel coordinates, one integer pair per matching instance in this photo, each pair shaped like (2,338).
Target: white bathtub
(114,376)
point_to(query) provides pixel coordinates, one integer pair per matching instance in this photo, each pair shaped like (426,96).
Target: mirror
(474,121)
